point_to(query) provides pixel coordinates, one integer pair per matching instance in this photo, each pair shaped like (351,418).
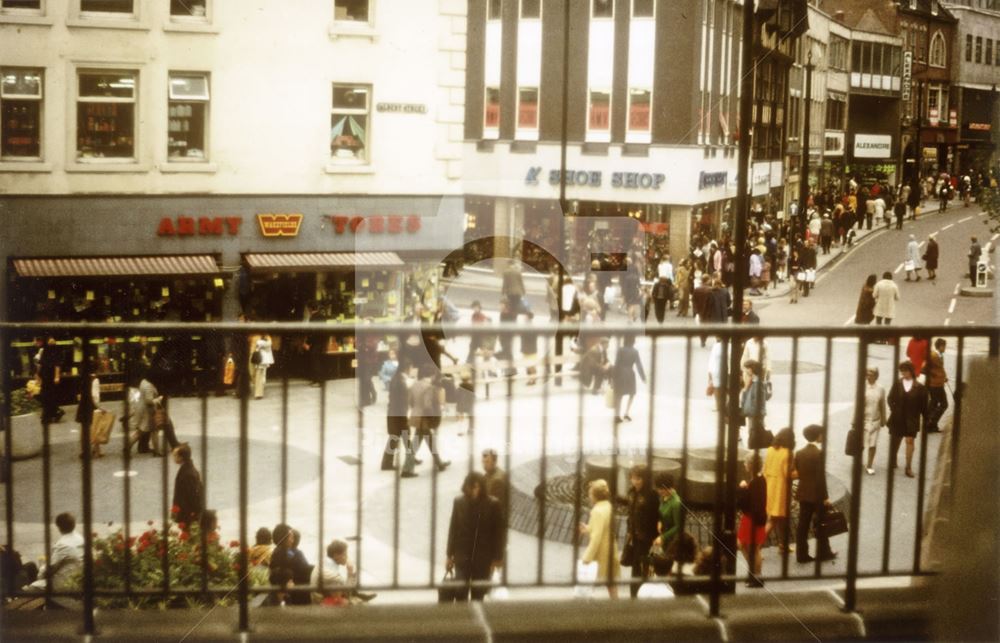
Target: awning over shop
(117,266)
(304,261)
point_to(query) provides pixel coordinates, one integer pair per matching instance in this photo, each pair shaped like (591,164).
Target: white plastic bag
(498,592)
(586,576)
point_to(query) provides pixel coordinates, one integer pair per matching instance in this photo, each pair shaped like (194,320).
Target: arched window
(937,55)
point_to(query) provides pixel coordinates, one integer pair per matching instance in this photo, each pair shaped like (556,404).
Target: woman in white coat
(886,294)
(914,261)
(262,347)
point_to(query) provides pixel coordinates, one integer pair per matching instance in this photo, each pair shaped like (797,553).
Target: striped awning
(117,266)
(302,261)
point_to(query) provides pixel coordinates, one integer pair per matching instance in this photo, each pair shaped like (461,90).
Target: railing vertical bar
(244,585)
(359,518)
(5,417)
(284,448)
(828,363)
(650,428)
(165,501)
(204,480)
(88,501)
(432,443)
(47,491)
(850,594)
(127,368)
(921,478)
(543,474)
(578,491)
(508,433)
(613,483)
(890,478)
(685,438)
(956,415)
(793,391)
(718,537)
(474,400)
(321,510)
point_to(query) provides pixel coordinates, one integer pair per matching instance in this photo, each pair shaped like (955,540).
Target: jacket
(935,373)
(886,294)
(752,501)
(188,493)
(865,312)
(752,400)
(643,514)
(812,476)
(931,254)
(906,409)
(476,534)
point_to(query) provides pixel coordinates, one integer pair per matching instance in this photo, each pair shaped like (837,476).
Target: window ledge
(190,27)
(334,167)
(26,19)
(25,166)
(348,30)
(104,167)
(192,167)
(105,23)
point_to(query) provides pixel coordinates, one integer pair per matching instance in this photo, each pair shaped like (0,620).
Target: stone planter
(26,436)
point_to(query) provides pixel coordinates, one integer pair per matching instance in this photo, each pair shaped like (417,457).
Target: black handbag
(628,554)
(760,438)
(853,445)
(833,523)
(449,589)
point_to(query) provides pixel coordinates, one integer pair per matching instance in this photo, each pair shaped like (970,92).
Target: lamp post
(804,171)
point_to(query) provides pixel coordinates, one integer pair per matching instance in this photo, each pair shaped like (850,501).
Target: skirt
(747,529)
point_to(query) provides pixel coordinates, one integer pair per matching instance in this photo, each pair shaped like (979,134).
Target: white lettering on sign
(402,108)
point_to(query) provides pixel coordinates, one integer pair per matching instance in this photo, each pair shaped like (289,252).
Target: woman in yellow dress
(778,474)
(602,536)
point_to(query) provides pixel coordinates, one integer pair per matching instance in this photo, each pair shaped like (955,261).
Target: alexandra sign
(595,178)
(388,224)
(872,146)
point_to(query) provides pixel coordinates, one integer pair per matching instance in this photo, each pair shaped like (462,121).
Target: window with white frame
(21,6)
(20,113)
(527,110)
(352,11)
(599,115)
(531,9)
(187,117)
(643,8)
(603,8)
(491,113)
(937,104)
(187,9)
(494,9)
(349,122)
(639,103)
(937,55)
(112,8)
(105,114)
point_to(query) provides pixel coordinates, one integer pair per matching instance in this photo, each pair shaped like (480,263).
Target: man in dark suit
(189,498)
(812,496)
(476,536)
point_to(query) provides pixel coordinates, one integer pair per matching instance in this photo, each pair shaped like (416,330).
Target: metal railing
(560,390)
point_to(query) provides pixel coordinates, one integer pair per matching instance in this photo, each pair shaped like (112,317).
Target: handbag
(609,397)
(811,275)
(586,576)
(448,590)
(852,445)
(908,265)
(833,523)
(760,438)
(628,554)
(768,390)
(100,426)
(256,358)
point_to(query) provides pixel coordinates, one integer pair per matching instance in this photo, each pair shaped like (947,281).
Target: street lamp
(804,171)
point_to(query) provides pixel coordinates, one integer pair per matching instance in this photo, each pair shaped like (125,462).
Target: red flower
(233,544)
(213,537)
(184,536)
(119,546)
(182,526)
(131,541)
(173,510)
(143,546)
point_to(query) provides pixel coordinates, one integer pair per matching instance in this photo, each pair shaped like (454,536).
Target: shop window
(352,10)
(643,8)
(21,109)
(188,8)
(187,117)
(531,9)
(639,101)
(349,131)
(603,8)
(494,10)
(125,7)
(599,114)
(527,109)
(968,48)
(491,118)
(105,117)
(938,56)
(979,49)
(34,6)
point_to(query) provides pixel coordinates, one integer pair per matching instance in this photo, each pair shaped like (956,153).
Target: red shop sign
(202,226)
(391,224)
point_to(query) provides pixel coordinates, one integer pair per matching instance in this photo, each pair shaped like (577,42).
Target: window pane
(22,4)
(495,10)
(492,118)
(188,8)
(349,136)
(604,8)
(600,111)
(108,85)
(22,128)
(105,130)
(527,109)
(351,10)
(643,8)
(186,130)
(21,82)
(192,87)
(856,58)
(979,49)
(638,111)
(989,51)
(107,6)
(350,97)
(968,49)
(531,8)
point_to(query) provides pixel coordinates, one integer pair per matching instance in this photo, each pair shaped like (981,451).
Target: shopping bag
(100,426)
(908,265)
(609,397)
(449,590)
(811,275)
(498,592)
(586,576)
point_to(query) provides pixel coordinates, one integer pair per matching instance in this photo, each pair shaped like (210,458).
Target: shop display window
(187,115)
(349,125)
(105,121)
(21,113)
(188,8)
(599,113)
(108,6)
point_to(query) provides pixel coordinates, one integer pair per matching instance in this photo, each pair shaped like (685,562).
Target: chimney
(839,16)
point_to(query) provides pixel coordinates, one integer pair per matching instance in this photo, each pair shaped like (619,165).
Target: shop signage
(627,180)
(872,146)
(279,225)
(761,178)
(907,75)
(202,226)
(777,173)
(980,127)
(834,143)
(401,108)
(711,179)
(391,224)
